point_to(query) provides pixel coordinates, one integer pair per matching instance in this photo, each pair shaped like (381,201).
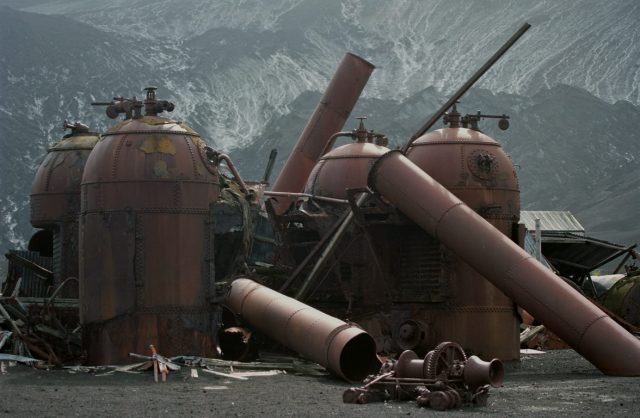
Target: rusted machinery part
(441,400)
(448,363)
(623,298)
(343,349)
(478,373)
(234,171)
(411,335)
(409,365)
(563,310)
(329,117)
(442,359)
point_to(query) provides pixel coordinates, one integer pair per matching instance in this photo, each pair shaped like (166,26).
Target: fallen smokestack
(329,117)
(343,349)
(576,320)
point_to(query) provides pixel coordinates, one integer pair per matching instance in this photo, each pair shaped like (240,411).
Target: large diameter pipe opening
(344,349)
(357,357)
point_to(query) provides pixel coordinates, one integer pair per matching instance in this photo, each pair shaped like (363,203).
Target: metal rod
(466,86)
(310,196)
(328,250)
(269,168)
(234,171)
(313,252)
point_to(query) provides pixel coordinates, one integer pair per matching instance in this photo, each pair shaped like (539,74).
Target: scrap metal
(444,379)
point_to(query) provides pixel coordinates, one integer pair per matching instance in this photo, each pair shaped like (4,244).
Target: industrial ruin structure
(416,246)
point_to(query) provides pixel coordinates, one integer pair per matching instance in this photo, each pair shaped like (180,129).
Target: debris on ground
(444,379)
(44,329)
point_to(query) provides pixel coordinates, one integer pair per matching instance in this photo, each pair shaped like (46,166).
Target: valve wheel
(442,358)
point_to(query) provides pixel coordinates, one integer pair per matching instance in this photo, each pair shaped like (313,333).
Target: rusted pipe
(563,310)
(466,86)
(334,137)
(328,251)
(310,196)
(234,171)
(329,117)
(343,349)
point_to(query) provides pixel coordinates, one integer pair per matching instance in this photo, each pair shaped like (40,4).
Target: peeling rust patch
(160,169)
(158,143)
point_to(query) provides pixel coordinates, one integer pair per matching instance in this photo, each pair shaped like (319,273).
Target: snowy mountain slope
(246,74)
(590,44)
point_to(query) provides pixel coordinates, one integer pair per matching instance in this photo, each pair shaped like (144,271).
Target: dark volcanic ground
(558,383)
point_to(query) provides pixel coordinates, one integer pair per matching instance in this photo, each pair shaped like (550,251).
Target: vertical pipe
(538,240)
(328,118)
(576,320)
(343,349)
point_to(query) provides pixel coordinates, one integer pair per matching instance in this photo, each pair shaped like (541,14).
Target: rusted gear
(442,358)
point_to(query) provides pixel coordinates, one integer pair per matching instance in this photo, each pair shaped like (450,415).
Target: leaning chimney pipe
(329,117)
(576,320)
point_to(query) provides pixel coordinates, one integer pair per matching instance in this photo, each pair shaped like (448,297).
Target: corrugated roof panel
(552,221)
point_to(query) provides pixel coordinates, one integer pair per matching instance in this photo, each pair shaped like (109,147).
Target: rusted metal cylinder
(329,117)
(478,372)
(410,365)
(343,349)
(343,168)
(146,243)
(475,168)
(55,202)
(581,324)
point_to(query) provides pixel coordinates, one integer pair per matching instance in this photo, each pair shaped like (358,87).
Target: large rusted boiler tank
(146,270)
(347,166)
(475,168)
(55,205)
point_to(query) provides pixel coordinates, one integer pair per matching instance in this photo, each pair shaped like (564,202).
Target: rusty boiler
(55,207)
(475,168)
(406,288)
(146,270)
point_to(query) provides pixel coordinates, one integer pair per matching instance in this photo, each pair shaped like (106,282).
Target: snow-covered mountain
(237,70)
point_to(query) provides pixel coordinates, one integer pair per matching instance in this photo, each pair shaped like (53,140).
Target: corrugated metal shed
(551,221)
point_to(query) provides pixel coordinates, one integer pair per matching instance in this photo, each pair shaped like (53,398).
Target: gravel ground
(557,383)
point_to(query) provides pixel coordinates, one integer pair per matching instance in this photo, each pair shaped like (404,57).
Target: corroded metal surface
(474,167)
(329,117)
(55,201)
(344,349)
(145,244)
(343,168)
(562,309)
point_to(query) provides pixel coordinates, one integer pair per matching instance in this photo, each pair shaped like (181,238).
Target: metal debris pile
(444,379)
